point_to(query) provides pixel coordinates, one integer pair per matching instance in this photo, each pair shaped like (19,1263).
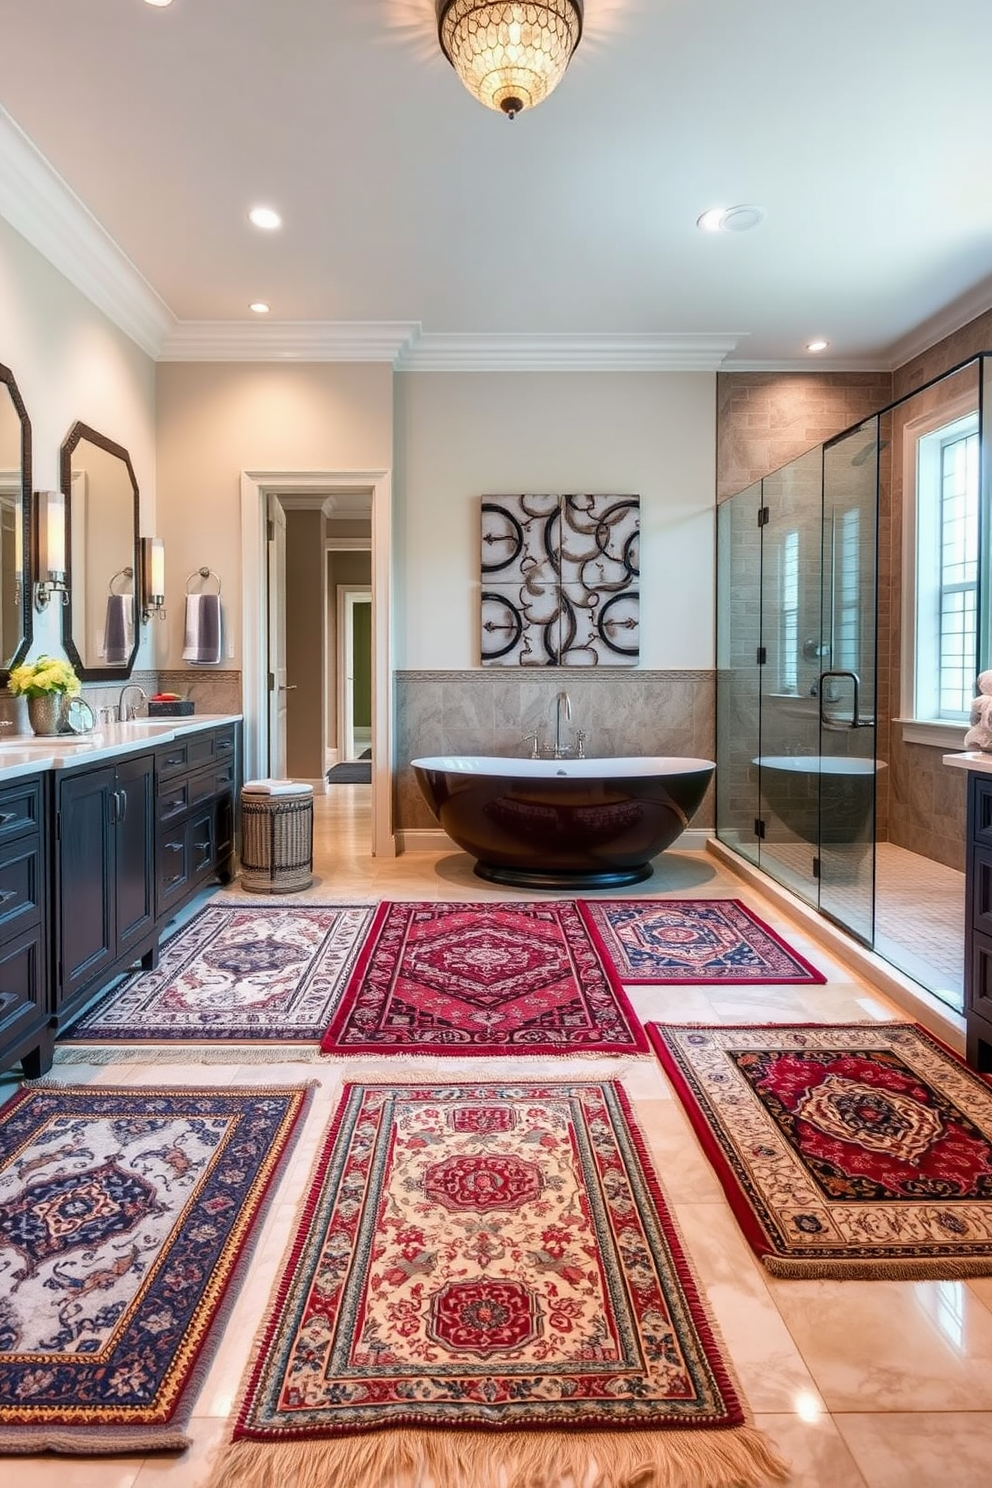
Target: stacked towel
(118,630)
(202,639)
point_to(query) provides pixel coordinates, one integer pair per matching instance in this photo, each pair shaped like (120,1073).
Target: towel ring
(203,573)
(123,573)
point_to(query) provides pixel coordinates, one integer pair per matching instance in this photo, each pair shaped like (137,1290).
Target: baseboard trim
(433,839)
(899,988)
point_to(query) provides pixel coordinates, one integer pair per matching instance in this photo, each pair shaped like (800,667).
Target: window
(789,681)
(947,565)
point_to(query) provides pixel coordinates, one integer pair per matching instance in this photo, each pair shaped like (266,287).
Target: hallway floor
(860,1384)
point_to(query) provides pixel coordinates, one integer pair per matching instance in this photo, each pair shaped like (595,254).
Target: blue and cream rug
(124,1215)
(239,971)
(691,941)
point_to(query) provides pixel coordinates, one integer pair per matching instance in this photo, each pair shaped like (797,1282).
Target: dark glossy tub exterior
(563,824)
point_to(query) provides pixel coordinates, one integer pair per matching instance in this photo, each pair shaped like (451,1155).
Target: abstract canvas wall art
(560,580)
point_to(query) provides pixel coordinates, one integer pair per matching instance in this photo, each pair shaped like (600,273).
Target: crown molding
(435,351)
(287,340)
(952,318)
(811,363)
(38,204)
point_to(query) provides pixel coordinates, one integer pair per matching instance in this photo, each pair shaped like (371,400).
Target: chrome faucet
(561,750)
(124,710)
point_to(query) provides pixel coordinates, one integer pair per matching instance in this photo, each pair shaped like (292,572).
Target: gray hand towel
(118,633)
(201,643)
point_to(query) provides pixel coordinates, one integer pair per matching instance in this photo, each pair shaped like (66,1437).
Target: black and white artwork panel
(520,625)
(521,539)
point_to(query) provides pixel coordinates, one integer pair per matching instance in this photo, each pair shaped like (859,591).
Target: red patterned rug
(124,1215)
(482,979)
(685,941)
(486,1287)
(857,1151)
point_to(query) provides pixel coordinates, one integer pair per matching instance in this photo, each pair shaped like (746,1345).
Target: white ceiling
(861,127)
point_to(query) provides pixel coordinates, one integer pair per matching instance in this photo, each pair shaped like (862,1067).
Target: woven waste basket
(276,836)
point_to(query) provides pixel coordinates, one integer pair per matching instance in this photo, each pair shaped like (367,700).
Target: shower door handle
(856,720)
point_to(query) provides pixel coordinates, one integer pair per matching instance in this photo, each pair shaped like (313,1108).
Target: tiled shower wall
(485,712)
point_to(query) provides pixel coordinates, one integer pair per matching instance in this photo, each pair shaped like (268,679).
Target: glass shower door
(793,652)
(738,686)
(848,681)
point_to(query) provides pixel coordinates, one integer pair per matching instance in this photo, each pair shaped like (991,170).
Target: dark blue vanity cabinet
(978,923)
(26,1009)
(104,876)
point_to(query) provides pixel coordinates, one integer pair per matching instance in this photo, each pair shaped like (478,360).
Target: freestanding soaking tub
(563,824)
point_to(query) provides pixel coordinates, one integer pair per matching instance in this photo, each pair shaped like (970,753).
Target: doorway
(317,487)
(354,671)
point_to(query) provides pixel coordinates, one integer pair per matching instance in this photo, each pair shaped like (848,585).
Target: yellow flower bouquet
(42,677)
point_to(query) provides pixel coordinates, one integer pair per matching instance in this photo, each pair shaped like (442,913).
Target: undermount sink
(153,725)
(46,743)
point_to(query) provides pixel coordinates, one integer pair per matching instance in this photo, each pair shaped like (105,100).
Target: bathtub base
(537,878)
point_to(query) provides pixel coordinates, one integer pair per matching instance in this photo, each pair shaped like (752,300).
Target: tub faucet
(561,701)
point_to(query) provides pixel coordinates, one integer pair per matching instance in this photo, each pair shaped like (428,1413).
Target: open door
(355,671)
(276,610)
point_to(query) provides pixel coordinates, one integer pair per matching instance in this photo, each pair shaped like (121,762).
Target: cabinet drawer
(201,843)
(20,808)
(22,981)
(173,799)
(171,759)
(21,887)
(981,809)
(172,866)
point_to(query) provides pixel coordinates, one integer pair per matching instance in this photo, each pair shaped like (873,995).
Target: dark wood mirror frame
(76,434)
(26,607)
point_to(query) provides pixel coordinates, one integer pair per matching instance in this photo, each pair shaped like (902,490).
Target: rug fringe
(739,1458)
(947,1268)
(180,1053)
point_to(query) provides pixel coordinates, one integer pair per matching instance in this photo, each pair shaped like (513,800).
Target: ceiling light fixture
(259,307)
(730,219)
(265,217)
(817,345)
(510,54)
(160,3)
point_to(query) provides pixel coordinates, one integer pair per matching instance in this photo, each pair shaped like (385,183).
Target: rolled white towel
(272,787)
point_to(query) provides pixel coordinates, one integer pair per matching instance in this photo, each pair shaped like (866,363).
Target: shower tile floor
(919,909)
(860,1384)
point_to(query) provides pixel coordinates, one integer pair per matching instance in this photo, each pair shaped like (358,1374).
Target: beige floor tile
(920,1450)
(55,1470)
(770,1367)
(816,1452)
(916,1345)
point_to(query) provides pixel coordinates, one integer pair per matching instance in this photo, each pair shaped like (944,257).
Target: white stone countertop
(973,759)
(23,754)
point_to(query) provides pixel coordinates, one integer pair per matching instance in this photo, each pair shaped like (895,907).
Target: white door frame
(256,486)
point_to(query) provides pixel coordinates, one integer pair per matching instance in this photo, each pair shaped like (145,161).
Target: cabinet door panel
(22,985)
(22,884)
(86,830)
(135,884)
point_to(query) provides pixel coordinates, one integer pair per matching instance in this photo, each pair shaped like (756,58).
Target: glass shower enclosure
(854,609)
(796,699)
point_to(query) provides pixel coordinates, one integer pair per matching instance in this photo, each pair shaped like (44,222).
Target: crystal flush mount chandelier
(510,54)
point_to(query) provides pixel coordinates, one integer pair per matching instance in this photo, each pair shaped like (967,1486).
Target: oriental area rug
(486,1287)
(685,941)
(482,979)
(858,1151)
(124,1215)
(238,972)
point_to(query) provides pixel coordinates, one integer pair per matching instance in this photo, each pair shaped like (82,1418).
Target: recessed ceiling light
(259,307)
(817,345)
(730,219)
(158,2)
(265,217)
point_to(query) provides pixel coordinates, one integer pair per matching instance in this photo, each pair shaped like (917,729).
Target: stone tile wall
(482,712)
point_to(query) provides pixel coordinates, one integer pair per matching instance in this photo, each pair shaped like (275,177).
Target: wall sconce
(49,548)
(152,578)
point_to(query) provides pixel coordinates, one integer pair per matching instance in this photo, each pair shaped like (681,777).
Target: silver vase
(46,714)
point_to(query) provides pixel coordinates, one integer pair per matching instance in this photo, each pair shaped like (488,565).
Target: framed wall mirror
(15,519)
(99,622)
